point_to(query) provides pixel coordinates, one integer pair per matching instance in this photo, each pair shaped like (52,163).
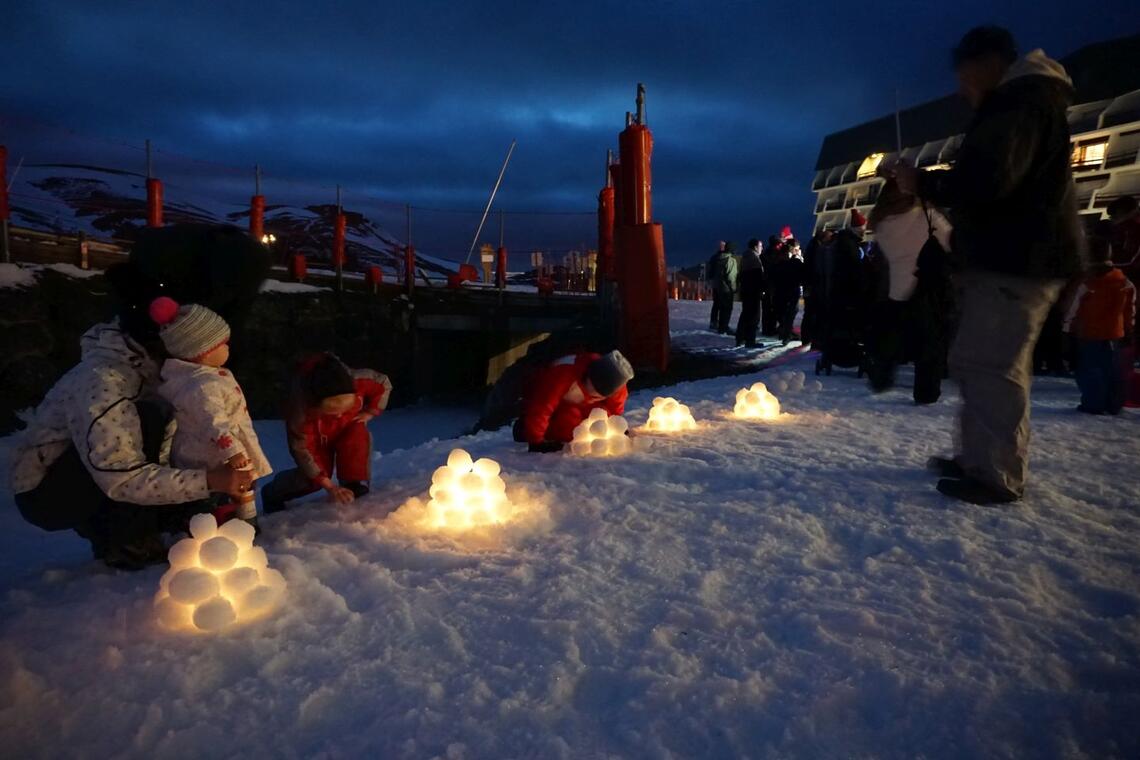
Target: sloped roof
(1099,71)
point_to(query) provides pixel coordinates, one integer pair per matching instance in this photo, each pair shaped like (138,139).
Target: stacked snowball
(467,494)
(793,381)
(669,415)
(217,578)
(601,436)
(756,403)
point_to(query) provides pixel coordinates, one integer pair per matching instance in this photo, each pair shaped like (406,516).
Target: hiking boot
(946,468)
(974,492)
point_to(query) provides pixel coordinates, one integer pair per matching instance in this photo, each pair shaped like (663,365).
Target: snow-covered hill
(111,203)
(796,589)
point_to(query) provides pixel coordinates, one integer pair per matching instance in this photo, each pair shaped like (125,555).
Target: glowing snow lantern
(669,415)
(756,403)
(467,494)
(217,578)
(600,435)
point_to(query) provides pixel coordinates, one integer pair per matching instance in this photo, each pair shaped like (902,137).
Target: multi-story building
(1105,127)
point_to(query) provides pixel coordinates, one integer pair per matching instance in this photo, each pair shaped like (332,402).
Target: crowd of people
(982,272)
(769,281)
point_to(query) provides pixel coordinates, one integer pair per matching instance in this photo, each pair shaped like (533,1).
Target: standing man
(723,272)
(1015,223)
(710,275)
(753,283)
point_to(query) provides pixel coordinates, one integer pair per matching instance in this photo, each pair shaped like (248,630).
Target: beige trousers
(1001,317)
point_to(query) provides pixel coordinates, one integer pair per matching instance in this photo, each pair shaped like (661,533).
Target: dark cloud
(418,101)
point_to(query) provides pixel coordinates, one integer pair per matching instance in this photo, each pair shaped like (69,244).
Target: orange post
(257,217)
(501,268)
(153,202)
(339,226)
(640,250)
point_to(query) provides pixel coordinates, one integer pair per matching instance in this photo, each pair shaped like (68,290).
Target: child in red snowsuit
(1101,317)
(326,419)
(562,394)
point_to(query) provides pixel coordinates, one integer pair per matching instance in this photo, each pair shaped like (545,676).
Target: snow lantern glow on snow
(756,403)
(467,494)
(217,579)
(600,435)
(669,415)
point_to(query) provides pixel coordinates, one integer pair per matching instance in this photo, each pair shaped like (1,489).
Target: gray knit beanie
(188,331)
(609,373)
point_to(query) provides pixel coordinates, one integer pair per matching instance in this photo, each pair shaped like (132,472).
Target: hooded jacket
(555,403)
(1011,192)
(724,273)
(92,407)
(213,420)
(310,432)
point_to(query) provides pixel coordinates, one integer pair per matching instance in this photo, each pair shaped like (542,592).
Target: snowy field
(789,589)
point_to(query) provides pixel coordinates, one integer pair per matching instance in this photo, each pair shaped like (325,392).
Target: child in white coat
(213,424)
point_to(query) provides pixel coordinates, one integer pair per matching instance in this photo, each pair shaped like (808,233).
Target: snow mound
(217,578)
(756,403)
(15,276)
(600,435)
(669,415)
(289,288)
(793,381)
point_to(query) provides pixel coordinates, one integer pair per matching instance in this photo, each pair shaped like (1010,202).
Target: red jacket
(554,403)
(1104,306)
(311,433)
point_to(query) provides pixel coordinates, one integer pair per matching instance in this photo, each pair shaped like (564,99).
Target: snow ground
(689,332)
(748,589)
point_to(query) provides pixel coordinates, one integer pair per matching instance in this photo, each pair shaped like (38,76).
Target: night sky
(417,101)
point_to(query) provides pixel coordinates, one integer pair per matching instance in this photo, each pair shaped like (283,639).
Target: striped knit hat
(188,332)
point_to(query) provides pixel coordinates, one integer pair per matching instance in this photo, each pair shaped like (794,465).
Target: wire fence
(65,182)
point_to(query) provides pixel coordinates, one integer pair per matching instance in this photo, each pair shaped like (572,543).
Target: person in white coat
(95,455)
(912,323)
(213,427)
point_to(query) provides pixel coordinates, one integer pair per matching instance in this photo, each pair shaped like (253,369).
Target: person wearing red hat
(842,295)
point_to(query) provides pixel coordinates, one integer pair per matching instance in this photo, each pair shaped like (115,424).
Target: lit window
(1091,154)
(870,165)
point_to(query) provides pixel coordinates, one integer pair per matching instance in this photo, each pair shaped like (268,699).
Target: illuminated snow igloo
(467,494)
(669,415)
(756,403)
(217,579)
(600,435)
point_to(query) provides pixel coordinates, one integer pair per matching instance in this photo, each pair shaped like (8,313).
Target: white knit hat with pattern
(188,332)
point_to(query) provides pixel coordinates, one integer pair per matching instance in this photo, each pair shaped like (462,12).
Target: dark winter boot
(358,488)
(946,468)
(974,492)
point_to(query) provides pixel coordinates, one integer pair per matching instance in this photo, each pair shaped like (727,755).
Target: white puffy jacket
(92,407)
(213,420)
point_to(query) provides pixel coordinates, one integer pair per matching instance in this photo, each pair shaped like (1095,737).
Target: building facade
(1105,139)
